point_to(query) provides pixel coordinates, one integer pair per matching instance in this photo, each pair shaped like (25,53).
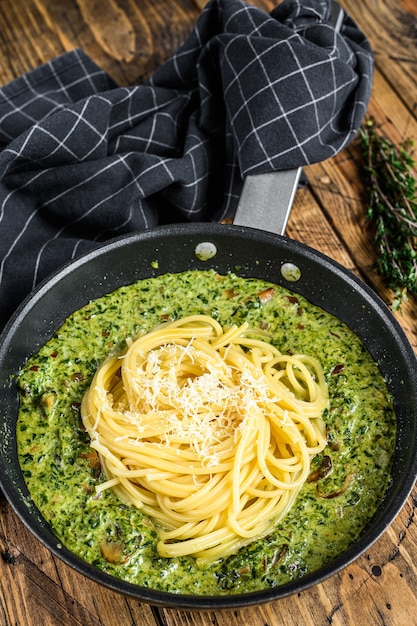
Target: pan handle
(267,198)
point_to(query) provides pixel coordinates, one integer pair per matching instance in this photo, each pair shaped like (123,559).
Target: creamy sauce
(348,479)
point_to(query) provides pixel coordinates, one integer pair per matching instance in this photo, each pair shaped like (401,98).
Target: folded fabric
(83,160)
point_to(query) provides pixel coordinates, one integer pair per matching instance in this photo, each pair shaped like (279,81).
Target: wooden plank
(128,40)
(25,40)
(391,26)
(306,223)
(338,186)
(111,28)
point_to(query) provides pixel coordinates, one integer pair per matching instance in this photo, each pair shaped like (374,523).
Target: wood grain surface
(129,39)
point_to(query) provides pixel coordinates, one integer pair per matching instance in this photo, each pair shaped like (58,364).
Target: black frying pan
(256,254)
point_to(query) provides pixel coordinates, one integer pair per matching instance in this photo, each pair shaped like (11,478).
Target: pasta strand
(209,430)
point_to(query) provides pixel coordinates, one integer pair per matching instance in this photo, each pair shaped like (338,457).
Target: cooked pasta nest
(209,430)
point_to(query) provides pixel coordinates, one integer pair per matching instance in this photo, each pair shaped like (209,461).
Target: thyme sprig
(392,210)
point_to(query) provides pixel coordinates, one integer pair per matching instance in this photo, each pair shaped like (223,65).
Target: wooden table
(129,39)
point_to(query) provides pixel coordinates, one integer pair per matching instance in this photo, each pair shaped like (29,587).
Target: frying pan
(250,252)
(257,254)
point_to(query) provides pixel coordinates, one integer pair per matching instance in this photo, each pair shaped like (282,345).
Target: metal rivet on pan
(290,272)
(205,250)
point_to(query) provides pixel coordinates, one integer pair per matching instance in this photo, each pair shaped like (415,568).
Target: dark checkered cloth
(83,159)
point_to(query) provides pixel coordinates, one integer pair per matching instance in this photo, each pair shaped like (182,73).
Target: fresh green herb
(392,210)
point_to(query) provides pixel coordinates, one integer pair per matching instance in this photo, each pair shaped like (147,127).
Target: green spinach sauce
(348,479)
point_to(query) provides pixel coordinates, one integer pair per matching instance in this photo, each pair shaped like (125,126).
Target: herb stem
(392,210)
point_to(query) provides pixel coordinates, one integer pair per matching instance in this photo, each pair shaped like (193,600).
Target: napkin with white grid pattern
(83,160)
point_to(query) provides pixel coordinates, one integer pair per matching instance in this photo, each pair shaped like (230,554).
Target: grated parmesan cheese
(200,411)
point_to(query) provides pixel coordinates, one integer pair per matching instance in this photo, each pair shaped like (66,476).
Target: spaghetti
(210,431)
